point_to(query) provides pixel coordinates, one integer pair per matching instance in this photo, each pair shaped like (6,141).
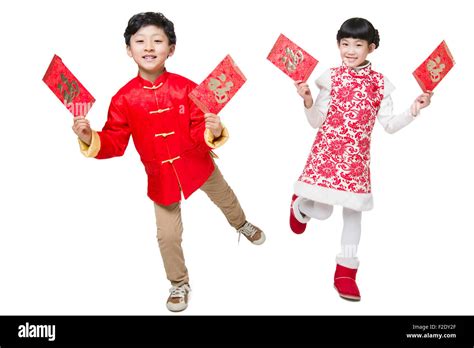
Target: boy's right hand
(303,90)
(82,129)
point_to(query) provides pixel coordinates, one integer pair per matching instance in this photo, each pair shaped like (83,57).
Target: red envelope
(292,59)
(67,88)
(434,68)
(219,87)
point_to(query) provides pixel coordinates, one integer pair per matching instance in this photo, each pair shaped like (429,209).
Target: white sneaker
(179,298)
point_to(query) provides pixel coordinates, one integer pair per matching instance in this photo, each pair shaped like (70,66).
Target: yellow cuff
(214,142)
(93,149)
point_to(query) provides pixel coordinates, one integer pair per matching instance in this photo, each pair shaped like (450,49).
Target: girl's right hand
(82,129)
(303,90)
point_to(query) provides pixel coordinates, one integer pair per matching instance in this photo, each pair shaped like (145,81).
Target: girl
(337,171)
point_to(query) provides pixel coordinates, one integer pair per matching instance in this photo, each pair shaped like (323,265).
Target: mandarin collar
(159,80)
(360,71)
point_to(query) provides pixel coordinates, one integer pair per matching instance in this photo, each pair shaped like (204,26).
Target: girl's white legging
(350,232)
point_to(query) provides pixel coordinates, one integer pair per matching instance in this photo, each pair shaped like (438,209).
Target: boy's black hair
(359,28)
(143,19)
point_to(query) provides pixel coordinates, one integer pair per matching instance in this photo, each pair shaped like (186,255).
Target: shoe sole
(176,308)
(260,241)
(348,297)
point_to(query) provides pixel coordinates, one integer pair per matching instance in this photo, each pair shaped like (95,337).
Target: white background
(77,235)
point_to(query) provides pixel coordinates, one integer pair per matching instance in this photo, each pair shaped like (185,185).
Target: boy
(174,140)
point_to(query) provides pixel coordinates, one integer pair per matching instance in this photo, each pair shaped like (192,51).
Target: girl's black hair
(143,19)
(359,28)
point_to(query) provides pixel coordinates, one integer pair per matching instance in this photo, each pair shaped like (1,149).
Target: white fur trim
(349,262)
(354,201)
(297,212)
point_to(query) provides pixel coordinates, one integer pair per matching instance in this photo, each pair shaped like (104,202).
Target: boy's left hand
(421,102)
(213,123)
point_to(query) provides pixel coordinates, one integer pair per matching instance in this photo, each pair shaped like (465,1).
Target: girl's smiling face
(354,51)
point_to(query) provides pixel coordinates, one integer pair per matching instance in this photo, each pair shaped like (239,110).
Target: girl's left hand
(421,102)
(213,123)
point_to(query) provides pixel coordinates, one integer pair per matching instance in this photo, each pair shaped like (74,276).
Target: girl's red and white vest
(338,167)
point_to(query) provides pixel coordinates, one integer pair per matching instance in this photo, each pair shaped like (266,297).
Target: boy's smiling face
(149,48)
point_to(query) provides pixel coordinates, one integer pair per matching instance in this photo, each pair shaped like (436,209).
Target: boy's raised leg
(222,195)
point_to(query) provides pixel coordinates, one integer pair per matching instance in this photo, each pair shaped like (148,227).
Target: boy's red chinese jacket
(168,131)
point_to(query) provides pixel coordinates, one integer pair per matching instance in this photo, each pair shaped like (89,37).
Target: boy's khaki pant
(170,227)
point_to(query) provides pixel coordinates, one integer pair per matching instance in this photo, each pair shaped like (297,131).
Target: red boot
(345,283)
(295,225)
